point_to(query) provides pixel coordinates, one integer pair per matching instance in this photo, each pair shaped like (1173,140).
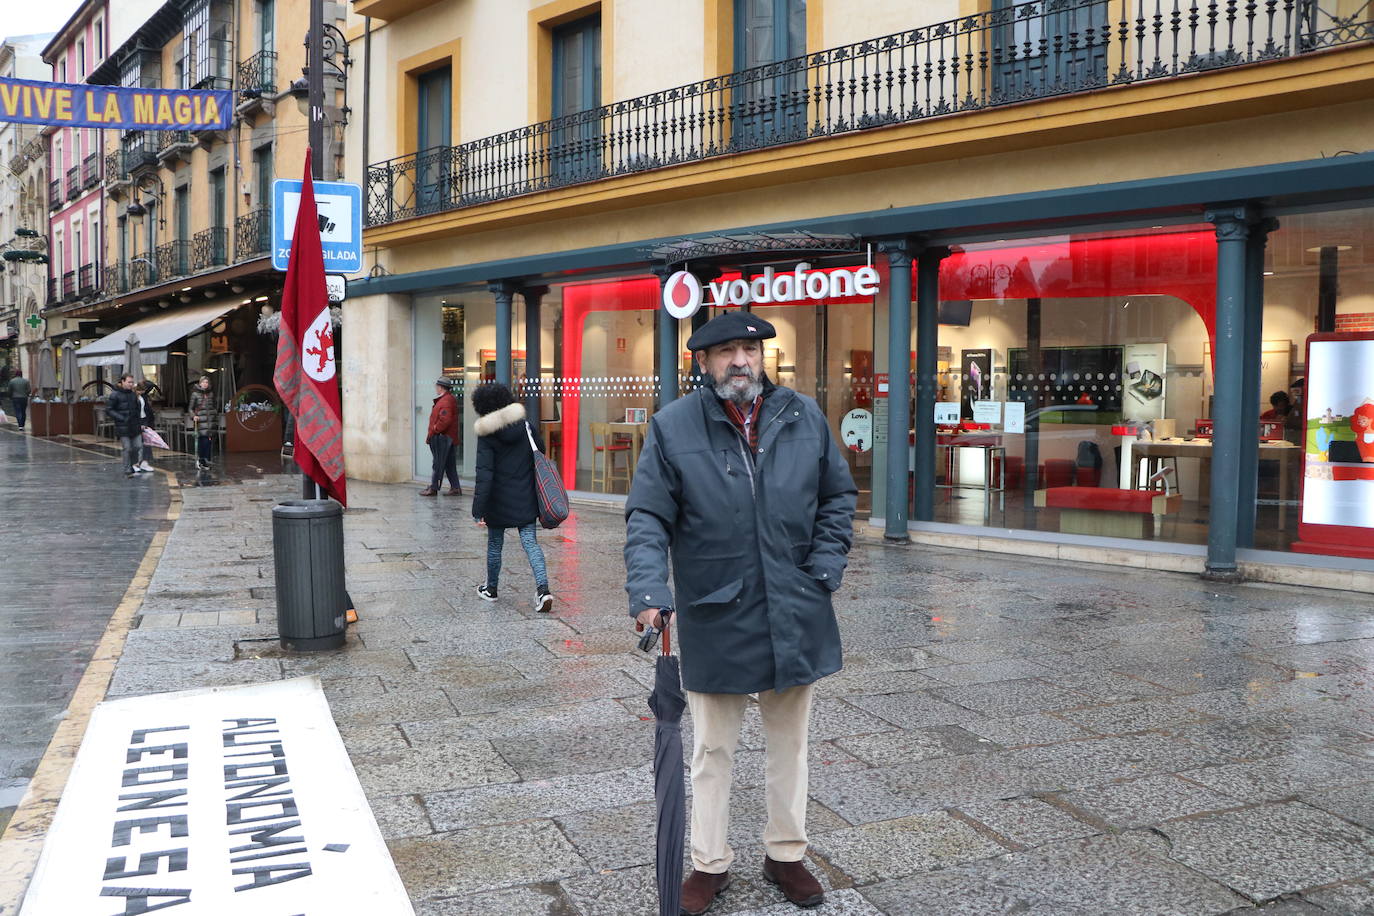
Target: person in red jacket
(442,439)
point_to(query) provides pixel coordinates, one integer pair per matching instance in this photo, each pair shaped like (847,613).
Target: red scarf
(746,424)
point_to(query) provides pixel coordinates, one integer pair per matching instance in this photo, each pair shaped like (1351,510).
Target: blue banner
(80,105)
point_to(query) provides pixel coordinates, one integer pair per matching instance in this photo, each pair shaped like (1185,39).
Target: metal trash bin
(308,556)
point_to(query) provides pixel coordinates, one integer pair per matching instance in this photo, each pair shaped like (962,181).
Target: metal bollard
(308,555)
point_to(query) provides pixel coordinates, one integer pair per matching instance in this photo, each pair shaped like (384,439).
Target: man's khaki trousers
(716,719)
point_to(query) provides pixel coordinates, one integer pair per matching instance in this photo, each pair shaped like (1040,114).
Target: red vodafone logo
(682,294)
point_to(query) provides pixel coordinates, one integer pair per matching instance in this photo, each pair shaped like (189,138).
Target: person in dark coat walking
(743,484)
(504,494)
(19,391)
(442,439)
(125,410)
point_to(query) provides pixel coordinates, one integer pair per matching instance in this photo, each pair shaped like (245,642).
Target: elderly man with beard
(743,484)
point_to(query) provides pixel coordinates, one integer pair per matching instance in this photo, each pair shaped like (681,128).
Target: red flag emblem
(306,373)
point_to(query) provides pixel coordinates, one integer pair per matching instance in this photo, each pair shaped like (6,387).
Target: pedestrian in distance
(19,391)
(742,483)
(204,415)
(126,411)
(146,419)
(504,495)
(442,439)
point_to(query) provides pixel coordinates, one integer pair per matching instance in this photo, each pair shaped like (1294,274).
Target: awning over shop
(156,334)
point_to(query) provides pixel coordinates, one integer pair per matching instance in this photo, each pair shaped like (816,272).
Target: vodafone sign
(683,294)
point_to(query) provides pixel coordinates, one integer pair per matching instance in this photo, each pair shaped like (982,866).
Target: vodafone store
(1065,385)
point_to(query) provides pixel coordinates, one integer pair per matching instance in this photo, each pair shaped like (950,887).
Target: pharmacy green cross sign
(33,321)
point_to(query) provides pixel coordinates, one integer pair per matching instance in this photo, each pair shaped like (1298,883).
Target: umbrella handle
(667,643)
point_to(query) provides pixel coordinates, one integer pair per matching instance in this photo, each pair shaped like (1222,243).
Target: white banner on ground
(215,801)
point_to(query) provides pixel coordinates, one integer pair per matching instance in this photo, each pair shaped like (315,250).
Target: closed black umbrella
(667,702)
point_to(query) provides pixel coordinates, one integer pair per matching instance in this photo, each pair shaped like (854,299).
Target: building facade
(188,213)
(1104,233)
(23,213)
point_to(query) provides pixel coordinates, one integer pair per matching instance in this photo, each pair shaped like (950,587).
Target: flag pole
(314,75)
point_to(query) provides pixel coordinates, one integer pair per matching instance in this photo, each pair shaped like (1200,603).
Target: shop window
(1071,382)
(1314,491)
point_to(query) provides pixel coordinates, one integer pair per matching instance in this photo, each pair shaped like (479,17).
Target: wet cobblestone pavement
(72,533)
(1007,736)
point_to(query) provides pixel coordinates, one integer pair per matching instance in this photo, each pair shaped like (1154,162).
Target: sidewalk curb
(22,840)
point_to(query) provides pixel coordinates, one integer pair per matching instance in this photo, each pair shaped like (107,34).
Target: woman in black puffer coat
(504,496)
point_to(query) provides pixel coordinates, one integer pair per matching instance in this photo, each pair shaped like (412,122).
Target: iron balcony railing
(258,74)
(114,166)
(173,259)
(1015,54)
(53,283)
(142,271)
(90,171)
(69,286)
(86,279)
(253,234)
(173,139)
(116,279)
(210,248)
(54,194)
(73,182)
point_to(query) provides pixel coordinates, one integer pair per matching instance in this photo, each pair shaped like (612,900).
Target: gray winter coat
(758,542)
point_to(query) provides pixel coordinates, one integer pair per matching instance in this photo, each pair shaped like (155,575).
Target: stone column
(504,290)
(1252,398)
(1233,233)
(927,383)
(898,253)
(534,357)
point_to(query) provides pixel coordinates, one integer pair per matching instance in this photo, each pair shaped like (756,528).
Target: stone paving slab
(1030,737)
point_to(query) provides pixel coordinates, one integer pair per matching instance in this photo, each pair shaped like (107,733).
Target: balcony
(73,183)
(116,279)
(87,281)
(253,234)
(174,145)
(986,60)
(258,76)
(138,152)
(90,171)
(173,260)
(142,272)
(69,286)
(210,248)
(53,298)
(54,195)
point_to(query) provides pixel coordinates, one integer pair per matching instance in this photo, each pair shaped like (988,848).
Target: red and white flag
(306,355)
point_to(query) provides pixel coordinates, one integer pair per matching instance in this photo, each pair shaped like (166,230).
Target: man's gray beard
(726,391)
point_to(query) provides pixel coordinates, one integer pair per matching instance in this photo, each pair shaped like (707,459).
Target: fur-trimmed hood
(509,415)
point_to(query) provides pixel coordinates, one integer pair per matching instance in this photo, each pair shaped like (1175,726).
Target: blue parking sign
(340,208)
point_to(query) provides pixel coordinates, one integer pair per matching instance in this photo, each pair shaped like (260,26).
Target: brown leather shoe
(796,883)
(429,491)
(700,890)
(455,491)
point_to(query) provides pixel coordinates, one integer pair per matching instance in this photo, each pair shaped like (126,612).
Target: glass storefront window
(1315,490)
(1071,384)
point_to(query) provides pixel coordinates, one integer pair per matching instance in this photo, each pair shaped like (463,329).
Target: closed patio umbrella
(71,376)
(133,358)
(71,380)
(670,793)
(46,374)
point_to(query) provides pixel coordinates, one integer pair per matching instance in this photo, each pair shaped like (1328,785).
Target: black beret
(730,326)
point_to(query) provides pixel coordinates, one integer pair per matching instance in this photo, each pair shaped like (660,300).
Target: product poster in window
(975,379)
(1142,367)
(1338,466)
